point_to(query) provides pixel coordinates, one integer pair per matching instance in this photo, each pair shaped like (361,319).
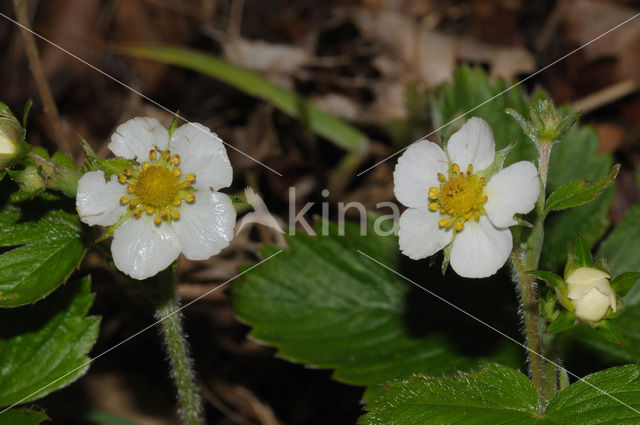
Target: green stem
(526,289)
(162,292)
(543,373)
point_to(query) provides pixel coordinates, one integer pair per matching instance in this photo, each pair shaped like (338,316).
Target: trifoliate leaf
(44,346)
(47,245)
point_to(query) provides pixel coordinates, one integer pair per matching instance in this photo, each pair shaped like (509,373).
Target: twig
(605,96)
(35,64)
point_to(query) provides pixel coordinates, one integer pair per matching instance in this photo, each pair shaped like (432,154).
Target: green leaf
(50,245)
(579,192)
(623,283)
(253,84)
(322,303)
(43,346)
(563,321)
(494,395)
(610,331)
(501,395)
(22,417)
(470,88)
(590,402)
(552,279)
(622,247)
(574,157)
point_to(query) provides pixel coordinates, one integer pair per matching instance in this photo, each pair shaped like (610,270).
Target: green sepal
(447,257)
(522,222)
(110,229)
(498,162)
(552,279)
(174,123)
(579,255)
(110,167)
(579,192)
(624,282)
(610,331)
(25,116)
(563,321)
(582,252)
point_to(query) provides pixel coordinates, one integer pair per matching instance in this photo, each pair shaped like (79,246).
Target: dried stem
(35,64)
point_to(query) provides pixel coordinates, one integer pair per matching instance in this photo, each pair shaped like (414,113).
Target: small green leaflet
(500,395)
(43,347)
(494,395)
(591,402)
(22,417)
(578,192)
(48,244)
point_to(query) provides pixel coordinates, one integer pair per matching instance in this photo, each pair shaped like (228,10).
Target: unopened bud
(10,135)
(591,294)
(29,180)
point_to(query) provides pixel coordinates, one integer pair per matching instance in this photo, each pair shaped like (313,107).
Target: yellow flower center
(459,198)
(157,187)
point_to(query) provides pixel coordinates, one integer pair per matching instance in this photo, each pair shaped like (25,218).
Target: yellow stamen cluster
(156,187)
(459,197)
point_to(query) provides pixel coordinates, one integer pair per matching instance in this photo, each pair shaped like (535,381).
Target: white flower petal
(419,234)
(206,226)
(141,249)
(480,249)
(98,201)
(472,144)
(417,170)
(202,153)
(513,190)
(593,306)
(136,137)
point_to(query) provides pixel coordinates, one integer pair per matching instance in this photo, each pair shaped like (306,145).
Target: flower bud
(590,293)
(10,133)
(29,180)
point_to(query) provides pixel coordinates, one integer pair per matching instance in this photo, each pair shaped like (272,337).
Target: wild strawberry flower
(167,203)
(457,197)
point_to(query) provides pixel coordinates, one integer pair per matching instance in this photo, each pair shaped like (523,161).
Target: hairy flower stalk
(545,128)
(161,289)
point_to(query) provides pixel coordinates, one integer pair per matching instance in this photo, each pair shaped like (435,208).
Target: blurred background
(365,62)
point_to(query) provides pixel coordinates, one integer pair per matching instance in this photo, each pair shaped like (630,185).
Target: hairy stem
(162,292)
(543,373)
(35,64)
(527,291)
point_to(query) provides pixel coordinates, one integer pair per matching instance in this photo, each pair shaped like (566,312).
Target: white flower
(453,197)
(168,202)
(590,293)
